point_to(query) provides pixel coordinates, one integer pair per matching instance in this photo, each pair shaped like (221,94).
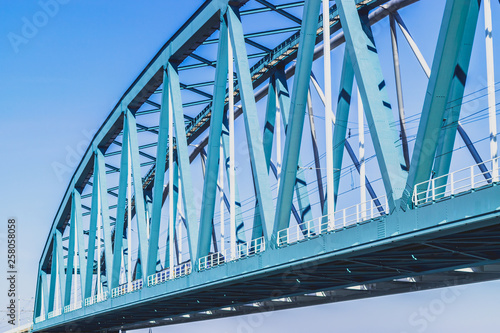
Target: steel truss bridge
(218,185)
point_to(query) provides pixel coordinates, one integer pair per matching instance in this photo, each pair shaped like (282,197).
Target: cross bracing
(190,172)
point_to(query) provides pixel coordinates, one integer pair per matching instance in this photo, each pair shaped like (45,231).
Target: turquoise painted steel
(161,156)
(341,119)
(216,119)
(169,243)
(444,65)
(120,214)
(240,226)
(297,114)
(372,86)
(140,208)
(100,173)
(301,191)
(453,106)
(183,162)
(255,146)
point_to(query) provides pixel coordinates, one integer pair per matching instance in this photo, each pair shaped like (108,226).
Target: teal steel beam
(94,213)
(53,276)
(140,208)
(161,156)
(444,150)
(362,50)
(267,141)
(183,161)
(255,147)
(297,114)
(120,215)
(57,270)
(100,172)
(341,120)
(300,180)
(444,70)
(314,141)
(214,137)
(41,296)
(175,193)
(280,11)
(240,226)
(76,220)
(259,34)
(70,264)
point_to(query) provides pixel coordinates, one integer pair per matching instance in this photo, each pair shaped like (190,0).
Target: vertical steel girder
(452,35)
(372,86)
(140,207)
(240,226)
(76,232)
(161,156)
(454,104)
(399,91)
(297,110)
(175,186)
(278,87)
(100,172)
(314,140)
(255,146)
(267,141)
(183,162)
(300,181)
(341,120)
(41,296)
(203,155)
(57,271)
(215,131)
(129,144)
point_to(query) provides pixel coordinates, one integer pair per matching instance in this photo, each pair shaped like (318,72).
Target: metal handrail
(340,219)
(453,183)
(101,297)
(72,307)
(126,288)
(255,246)
(170,274)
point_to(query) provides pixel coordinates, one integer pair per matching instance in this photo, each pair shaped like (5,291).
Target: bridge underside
(419,263)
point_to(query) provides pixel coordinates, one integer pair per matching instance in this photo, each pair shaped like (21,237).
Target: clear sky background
(59,84)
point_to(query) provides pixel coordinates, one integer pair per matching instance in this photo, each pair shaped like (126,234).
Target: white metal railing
(96,298)
(164,275)
(459,181)
(55,313)
(126,288)
(214,259)
(255,246)
(39,319)
(72,307)
(251,248)
(342,218)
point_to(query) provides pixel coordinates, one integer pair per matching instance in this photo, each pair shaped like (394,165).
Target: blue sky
(59,84)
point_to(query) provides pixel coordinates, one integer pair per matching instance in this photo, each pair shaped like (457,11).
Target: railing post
(452,184)
(371,209)
(471,177)
(433,187)
(343,217)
